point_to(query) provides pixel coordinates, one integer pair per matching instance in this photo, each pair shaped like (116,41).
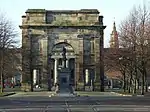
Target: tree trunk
(143,79)
(2,82)
(135,85)
(2,71)
(146,86)
(143,83)
(146,83)
(127,86)
(124,82)
(130,84)
(31,76)
(135,82)
(138,83)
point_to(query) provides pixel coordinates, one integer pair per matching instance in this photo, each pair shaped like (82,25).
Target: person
(56,87)
(70,88)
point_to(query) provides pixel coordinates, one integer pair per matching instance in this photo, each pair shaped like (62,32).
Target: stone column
(34,77)
(92,46)
(86,76)
(67,63)
(55,71)
(111,83)
(62,63)
(41,75)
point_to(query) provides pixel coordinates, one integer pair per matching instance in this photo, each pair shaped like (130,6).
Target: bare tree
(133,56)
(7,41)
(134,35)
(117,59)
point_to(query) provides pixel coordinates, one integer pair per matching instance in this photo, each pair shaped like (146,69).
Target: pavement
(104,102)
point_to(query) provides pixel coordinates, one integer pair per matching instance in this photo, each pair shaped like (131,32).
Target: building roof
(63,11)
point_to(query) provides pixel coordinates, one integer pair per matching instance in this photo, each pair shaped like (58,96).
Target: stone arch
(63,43)
(68,43)
(58,61)
(58,48)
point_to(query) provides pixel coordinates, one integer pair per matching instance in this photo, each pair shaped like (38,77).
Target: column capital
(55,58)
(67,58)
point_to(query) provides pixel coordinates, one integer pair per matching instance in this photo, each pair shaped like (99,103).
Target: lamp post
(101,61)
(101,54)
(31,64)
(121,63)
(49,72)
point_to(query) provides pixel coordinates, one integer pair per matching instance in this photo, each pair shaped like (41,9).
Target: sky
(112,10)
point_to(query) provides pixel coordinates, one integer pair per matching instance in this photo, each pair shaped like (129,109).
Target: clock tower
(114,43)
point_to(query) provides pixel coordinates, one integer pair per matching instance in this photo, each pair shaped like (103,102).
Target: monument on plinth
(63,86)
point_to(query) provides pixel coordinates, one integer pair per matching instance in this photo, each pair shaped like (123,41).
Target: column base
(97,86)
(25,87)
(80,86)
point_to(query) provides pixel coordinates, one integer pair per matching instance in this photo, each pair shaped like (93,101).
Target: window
(86,17)
(54,18)
(50,18)
(80,18)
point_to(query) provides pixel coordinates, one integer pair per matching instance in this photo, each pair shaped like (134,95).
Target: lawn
(138,92)
(121,91)
(2,94)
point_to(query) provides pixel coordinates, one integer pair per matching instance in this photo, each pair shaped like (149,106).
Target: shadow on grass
(6,94)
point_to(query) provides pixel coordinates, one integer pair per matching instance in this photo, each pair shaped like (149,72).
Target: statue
(64,56)
(64,86)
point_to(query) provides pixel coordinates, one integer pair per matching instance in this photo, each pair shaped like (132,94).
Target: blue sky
(119,9)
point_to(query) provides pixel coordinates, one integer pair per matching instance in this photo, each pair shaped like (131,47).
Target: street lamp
(49,72)
(101,62)
(31,54)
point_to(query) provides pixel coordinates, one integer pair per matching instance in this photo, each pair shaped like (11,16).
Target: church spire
(114,43)
(114,26)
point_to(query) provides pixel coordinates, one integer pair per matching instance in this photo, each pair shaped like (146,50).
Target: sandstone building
(44,35)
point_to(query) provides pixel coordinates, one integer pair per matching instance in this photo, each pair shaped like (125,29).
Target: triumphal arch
(45,35)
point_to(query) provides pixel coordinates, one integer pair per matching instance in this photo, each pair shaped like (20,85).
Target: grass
(2,94)
(8,91)
(138,92)
(6,94)
(125,93)
(85,93)
(121,91)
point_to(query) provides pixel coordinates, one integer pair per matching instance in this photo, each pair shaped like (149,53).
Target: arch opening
(58,63)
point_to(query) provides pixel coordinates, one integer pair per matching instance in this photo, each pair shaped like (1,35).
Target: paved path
(81,108)
(102,103)
(24,94)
